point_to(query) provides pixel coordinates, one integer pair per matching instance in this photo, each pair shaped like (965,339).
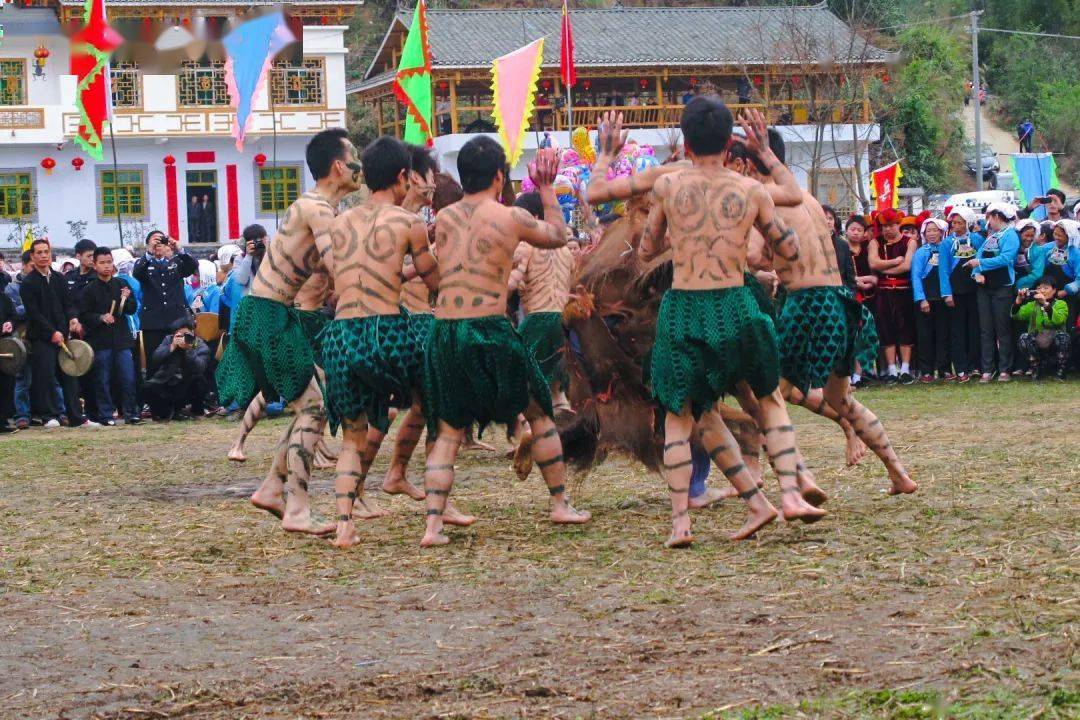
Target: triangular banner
(513,86)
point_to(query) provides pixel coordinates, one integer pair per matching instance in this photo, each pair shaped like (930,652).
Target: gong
(12,355)
(76,357)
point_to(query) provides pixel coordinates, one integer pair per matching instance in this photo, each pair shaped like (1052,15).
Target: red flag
(91,49)
(567,71)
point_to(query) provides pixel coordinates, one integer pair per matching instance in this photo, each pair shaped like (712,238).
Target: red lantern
(444,86)
(48,163)
(325,20)
(644,83)
(546,84)
(885,78)
(693,81)
(586,84)
(796,80)
(758,80)
(77,163)
(260,160)
(169,160)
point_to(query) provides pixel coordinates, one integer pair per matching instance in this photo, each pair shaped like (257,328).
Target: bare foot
(811,492)
(270,502)
(712,496)
(365,509)
(681,537)
(565,514)
(324,449)
(855,450)
(307,524)
(346,535)
(523,460)
(902,484)
(477,445)
(795,508)
(756,519)
(396,484)
(434,539)
(236,454)
(453,516)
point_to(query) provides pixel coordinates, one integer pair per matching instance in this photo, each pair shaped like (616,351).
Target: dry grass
(136,583)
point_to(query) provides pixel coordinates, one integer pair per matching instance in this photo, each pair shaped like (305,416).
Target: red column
(173,212)
(234,203)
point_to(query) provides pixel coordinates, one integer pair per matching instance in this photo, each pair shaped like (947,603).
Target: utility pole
(976,92)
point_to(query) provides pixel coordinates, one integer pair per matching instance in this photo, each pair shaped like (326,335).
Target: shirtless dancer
(785,191)
(819,328)
(269,350)
(416,302)
(542,277)
(310,301)
(711,334)
(477,367)
(371,359)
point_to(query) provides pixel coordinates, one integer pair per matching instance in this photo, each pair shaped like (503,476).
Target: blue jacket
(1071,265)
(134,324)
(1036,255)
(925,259)
(1008,246)
(948,260)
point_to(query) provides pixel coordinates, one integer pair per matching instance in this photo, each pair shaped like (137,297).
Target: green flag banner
(412,84)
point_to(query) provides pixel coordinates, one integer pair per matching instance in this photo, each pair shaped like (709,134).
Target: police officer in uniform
(161,273)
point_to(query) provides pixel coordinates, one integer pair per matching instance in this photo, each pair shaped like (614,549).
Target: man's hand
(974,262)
(769,279)
(949,301)
(756,131)
(924,306)
(125,293)
(108,319)
(544,168)
(249,247)
(612,135)
(57,339)
(75,327)
(6,328)
(1062,294)
(980,279)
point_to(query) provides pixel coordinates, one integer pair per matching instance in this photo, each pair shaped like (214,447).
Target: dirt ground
(135,582)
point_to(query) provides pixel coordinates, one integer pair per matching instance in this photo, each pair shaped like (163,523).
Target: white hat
(1006,209)
(227,253)
(1027,223)
(965,212)
(1072,231)
(207,273)
(936,222)
(121,255)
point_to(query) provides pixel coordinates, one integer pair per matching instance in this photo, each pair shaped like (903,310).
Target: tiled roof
(213,3)
(650,36)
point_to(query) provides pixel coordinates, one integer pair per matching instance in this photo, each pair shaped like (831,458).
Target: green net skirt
(707,341)
(268,351)
(819,335)
(542,333)
(479,370)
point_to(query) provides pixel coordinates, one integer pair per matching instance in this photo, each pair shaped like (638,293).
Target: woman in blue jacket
(931,316)
(995,276)
(958,291)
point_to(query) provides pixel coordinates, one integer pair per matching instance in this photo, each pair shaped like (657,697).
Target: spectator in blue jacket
(958,291)
(994,273)
(1062,258)
(1030,259)
(932,317)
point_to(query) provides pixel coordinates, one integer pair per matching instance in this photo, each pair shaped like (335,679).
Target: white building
(172,131)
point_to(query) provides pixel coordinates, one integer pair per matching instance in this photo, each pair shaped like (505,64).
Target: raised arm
(423,261)
(786,191)
(551,232)
(654,238)
(779,238)
(612,139)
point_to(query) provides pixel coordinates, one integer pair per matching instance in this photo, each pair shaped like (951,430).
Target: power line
(1035,34)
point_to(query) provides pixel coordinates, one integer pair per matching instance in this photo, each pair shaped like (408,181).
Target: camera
(259,244)
(189,338)
(1027,294)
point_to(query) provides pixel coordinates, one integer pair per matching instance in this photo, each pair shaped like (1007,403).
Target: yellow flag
(29,239)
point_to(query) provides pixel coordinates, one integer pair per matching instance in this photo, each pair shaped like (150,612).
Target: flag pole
(116,184)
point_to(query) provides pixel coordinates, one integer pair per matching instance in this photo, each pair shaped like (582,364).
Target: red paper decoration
(48,163)
(77,163)
(169,160)
(260,160)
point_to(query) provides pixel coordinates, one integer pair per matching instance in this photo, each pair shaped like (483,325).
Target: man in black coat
(177,374)
(7,382)
(161,273)
(103,305)
(50,320)
(195,221)
(77,279)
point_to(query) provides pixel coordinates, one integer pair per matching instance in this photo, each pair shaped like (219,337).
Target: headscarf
(936,222)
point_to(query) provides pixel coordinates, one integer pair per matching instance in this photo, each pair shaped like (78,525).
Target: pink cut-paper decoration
(513,86)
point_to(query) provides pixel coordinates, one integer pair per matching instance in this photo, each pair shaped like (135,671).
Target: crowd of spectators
(153,322)
(967,297)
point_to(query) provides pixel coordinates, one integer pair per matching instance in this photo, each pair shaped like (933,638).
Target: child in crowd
(1047,336)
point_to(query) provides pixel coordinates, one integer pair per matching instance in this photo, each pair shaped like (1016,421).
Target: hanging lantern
(546,84)
(324,20)
(586,84)
(644,83)
(444,86)
(169,160)
(48,164)
(758,80)
(77,163)
(41,55)
(260,160)
(796,80)
(693,81)
(885,78)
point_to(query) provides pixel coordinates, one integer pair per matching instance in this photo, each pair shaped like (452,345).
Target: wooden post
(555,112)
(397,119)
(767,93)
(378,115)
(453,104)
(661,114)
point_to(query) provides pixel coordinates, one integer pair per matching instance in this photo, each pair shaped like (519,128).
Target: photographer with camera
(1046,335)
(246,267)
(177,374)
(161,274)
(1053,201)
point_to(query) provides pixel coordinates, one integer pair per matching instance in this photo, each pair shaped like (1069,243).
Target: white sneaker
(52,424)
(90,424)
